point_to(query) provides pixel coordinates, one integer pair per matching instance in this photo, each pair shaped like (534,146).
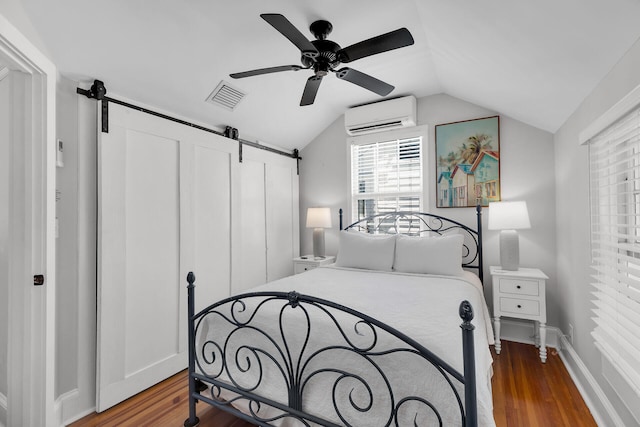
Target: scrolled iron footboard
(367,386)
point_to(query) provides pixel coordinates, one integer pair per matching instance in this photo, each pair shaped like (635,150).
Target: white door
(27,241)
(282,212)
(268,211)
(207,171)
(252,230)
(164,210)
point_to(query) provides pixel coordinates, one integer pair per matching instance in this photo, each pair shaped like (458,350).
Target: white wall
(13,11)
(66,243)
(76,252)
(572,212)
(527,173)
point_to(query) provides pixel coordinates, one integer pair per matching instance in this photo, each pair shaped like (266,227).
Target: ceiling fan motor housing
(327,58)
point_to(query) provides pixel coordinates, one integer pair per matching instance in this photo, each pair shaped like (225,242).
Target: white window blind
(386,177)
(614,169)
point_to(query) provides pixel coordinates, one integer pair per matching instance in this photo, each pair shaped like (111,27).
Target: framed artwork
(468,163)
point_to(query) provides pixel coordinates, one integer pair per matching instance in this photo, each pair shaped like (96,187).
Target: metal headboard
(423,224)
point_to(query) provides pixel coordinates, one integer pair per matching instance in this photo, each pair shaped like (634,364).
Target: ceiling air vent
(226,96)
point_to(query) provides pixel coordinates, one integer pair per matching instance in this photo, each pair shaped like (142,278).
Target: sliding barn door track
(99,92)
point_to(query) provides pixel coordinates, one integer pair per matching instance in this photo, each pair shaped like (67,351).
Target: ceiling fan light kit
(324,56)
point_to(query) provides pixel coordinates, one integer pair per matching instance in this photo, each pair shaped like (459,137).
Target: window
(386,176)
(614,170)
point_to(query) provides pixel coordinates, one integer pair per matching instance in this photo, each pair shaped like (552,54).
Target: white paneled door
(267,236)
(253,226)
(282,212)
(164,209)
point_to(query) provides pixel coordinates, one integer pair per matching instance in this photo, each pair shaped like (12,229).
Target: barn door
(163,210)
(269,237)
(282,213)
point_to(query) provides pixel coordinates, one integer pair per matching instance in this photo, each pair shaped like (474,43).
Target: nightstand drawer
(520,306)
(309,262)
(519,286)
(299,267)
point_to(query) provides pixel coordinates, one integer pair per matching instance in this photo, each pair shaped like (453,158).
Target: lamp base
(318,243)
(509,250)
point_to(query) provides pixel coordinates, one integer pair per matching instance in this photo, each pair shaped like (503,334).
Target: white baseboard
(601,408)
(3,410)
(79,416)
(57,411)
(70,410)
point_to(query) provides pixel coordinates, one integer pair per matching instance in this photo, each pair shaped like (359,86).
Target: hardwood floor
(525,393)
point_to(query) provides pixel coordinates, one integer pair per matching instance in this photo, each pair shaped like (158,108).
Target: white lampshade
(508,216)
(318,218)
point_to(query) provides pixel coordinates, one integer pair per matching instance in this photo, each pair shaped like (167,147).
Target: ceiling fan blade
(382,43)
(266,71)
(286,28)
(310,90)
(365,80)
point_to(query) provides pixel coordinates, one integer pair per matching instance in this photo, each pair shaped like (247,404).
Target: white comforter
(424,307)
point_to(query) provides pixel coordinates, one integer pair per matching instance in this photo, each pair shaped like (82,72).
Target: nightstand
(308,262)
(520,294)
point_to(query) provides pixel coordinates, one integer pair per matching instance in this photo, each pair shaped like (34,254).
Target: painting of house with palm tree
(468,162)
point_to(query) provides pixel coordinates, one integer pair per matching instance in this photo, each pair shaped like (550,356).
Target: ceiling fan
(324,56)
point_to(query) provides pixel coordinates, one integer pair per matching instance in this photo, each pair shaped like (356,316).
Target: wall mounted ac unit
(381,116)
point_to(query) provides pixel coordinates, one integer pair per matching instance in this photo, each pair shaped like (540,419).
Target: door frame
(31,381)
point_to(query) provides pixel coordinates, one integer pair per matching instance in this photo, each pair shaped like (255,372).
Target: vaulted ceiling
(532,60)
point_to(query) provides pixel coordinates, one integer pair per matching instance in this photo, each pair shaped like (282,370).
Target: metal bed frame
(424,224)
(217,366)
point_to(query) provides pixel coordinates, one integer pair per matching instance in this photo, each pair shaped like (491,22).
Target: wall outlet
(571,333)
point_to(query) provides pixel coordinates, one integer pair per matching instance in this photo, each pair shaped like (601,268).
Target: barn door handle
(38,280)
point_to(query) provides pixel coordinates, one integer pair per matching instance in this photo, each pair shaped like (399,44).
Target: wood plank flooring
(525,393)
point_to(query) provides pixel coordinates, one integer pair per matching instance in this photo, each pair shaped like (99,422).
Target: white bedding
(424,307)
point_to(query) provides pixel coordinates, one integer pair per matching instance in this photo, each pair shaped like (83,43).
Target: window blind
(614,170)
(386,177)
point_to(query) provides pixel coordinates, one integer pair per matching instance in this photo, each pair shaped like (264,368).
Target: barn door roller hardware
(99,92)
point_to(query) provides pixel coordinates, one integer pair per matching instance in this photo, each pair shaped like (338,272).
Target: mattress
(424,307)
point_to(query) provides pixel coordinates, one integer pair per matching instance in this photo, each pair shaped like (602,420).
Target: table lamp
(318,219)
(509,217)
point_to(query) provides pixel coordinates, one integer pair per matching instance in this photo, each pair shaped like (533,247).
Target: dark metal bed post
(340,211)
(479,228)
(192,421)
(468,351)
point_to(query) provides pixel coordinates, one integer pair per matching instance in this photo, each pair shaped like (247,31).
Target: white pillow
(431,255)
(368,251)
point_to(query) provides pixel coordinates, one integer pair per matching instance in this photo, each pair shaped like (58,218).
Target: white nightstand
(308,262)
(521,294)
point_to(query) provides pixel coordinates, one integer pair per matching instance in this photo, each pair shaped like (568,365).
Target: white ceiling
(532,60)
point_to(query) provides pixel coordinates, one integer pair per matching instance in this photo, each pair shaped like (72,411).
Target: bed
(396,332)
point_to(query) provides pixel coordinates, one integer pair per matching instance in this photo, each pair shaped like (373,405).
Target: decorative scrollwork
(293,298)
(255,344)
(423,224)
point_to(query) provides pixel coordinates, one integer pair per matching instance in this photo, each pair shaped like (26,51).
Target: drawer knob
(519,306)
(518,286)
